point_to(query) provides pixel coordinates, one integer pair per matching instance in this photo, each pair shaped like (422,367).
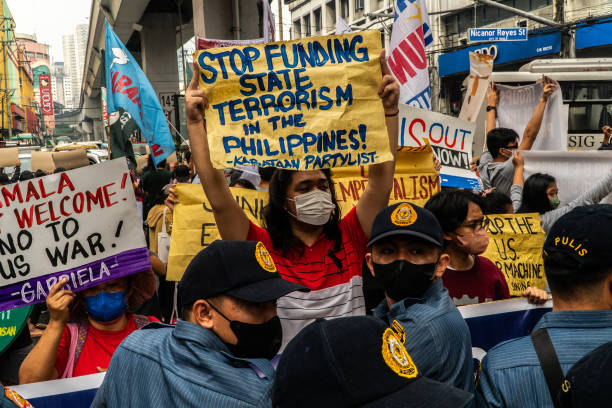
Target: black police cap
(356,361)
(409,220)
(241,269)
(583,236)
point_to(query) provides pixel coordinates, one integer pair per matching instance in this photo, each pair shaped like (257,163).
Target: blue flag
(127,87)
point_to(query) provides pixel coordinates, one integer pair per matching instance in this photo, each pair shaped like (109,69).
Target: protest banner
(481,66)
(9,156)
(12,322)
(450,139)
(194,227)
(80,224)
(493,322)
(415,179)
(516,106)
(68,392)
(304,104)
(575,172)
(406,57)
(515,246)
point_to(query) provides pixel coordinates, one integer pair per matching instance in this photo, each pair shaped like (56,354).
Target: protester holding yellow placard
(470,277)
(307,239)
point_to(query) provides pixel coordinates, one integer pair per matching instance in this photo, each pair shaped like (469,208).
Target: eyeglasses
(476,225)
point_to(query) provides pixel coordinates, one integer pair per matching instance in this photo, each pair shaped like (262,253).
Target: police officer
(356,361)
(219,354)
(405,256)
(526,371)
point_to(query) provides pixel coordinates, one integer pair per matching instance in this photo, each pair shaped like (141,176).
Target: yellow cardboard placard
(415,179)
(193,223)
(304,104)
(515,246)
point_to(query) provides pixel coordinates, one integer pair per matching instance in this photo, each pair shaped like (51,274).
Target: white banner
(516,106)
(80,224)
(450,139)
(268,22)
(575,172)
(481,66)
(342,26)
(406,56)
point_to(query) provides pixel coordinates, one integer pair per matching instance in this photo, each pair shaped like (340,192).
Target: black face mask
(255,340)
(402,279)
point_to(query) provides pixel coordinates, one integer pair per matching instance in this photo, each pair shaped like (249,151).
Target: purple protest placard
(80,224)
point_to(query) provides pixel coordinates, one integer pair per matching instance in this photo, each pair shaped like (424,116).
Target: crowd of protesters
(275,315)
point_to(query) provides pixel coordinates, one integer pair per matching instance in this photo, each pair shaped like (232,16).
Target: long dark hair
(535,198)
(277,220)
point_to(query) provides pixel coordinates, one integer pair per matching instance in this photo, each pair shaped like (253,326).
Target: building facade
(319,17)
(37,56)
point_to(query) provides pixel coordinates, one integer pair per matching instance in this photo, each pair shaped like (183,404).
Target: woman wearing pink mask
(470,278)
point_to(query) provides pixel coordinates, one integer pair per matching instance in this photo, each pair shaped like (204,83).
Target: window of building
(466,20)
(344,8)
(317,21)
(30,55)
(307,26)
(297,29)
(330,8)
(359,5)
(379,4)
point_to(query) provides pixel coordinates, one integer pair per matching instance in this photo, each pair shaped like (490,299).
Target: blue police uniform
(437,337)
(184,366)
(511,375)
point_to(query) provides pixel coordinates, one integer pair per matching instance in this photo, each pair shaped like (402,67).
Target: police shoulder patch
(394,353)
(264,258)
(403,215)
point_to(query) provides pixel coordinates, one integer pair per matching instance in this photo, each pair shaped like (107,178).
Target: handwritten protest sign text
(304,104)
(80,224)
(515,246)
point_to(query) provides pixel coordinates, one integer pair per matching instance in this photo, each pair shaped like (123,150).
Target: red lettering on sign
(157,150)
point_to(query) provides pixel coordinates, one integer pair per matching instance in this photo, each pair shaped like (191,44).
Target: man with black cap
(405,257)
(528,371)
(219,354)
(356,362)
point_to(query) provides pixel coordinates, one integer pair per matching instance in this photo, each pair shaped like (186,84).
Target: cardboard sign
(415,179)
(9,156)
(515,246)
(481,66)
(80,224)
(194,227)
(43,161)
(72,159)
(305,104)
(450,139)
(68,160)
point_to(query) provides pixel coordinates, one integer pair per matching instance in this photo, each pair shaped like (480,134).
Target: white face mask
(314,207)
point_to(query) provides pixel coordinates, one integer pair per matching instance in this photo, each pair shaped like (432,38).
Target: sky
(49,20)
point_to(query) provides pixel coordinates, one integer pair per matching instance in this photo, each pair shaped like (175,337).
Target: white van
(586,84)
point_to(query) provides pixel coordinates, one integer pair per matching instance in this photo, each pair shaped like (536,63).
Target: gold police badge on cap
(263,258)
(395,354)
(403,215)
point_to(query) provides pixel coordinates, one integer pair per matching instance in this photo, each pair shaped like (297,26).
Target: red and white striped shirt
(335,292)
